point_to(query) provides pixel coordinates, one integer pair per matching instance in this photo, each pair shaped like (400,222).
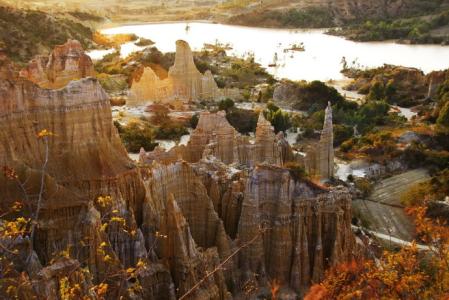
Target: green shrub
(342,133)
(314,96)
(225,104)
(277,117)
(244,121)
(364,186)
(136,135)
(194,121)
(443,117)
(26,33)
(297,172)
(171,130)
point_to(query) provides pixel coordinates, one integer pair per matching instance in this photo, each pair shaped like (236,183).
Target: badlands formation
(184,82)
(66,63)
(157,229)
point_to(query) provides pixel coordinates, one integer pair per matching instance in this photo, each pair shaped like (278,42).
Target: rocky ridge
(184,82)
(214,136)
(153,231)
(65,63)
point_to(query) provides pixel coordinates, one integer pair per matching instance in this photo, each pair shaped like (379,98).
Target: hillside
(410,20)
(26,33)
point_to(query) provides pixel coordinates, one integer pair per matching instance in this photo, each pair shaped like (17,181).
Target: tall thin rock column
(326,146)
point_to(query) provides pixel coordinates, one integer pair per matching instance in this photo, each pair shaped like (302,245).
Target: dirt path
(383,210)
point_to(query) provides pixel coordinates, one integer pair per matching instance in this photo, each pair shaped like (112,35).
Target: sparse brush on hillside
(113,41)
(313,17)
(26,33)
(414,30)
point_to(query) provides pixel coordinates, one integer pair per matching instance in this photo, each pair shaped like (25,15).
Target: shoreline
(324,30)
(114,24)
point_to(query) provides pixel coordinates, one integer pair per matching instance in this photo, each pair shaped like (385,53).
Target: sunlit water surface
(321,59)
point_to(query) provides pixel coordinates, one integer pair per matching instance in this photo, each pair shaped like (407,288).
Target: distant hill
(338,12)
(414,21)
(25,33)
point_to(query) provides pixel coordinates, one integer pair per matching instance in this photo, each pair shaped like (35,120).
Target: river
(321,59)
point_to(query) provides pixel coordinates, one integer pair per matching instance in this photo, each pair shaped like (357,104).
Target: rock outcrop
(65,63)
(215,136)
(154,231)
(307,229)
(150,87)
(320,158)
(184,82)
(185,260)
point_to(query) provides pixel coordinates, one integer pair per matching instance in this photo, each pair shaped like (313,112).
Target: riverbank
(315,63)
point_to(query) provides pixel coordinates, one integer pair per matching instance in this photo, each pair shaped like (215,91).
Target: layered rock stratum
(65,63)
(219,218)
(184,82)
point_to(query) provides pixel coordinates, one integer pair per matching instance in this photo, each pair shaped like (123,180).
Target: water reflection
(321,59)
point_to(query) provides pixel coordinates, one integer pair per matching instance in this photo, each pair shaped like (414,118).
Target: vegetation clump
(113,41)
(312,17)
(409,273)
(243,120)
(393,84)
(26,33)
(143,42)
(415,30)
(277,117)
(297,171)
(132,66)
(136,135)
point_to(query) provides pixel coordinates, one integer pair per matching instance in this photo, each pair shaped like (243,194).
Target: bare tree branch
(220,266)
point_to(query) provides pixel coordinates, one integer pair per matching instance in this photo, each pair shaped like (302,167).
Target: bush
(314,96)
(364,185)
(342,133)
(297,172)
(346,146)
(278,118)
(171,130)
(144,42)
(136,135)
(26,33)
(443,117)
(244,121)
(416,194)
(194,121)
(225,104)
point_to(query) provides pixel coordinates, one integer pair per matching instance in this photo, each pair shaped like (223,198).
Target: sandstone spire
(184,81)
(187,83)
(266,143)
(326,146)
(149,87)
(65,63)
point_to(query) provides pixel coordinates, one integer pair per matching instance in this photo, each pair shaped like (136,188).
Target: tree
(376,91)
(135,136)
(278,118)
(443,117)
(395,275)
(226,104)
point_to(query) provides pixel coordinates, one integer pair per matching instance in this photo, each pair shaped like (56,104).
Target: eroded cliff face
(214,136)
(307,229)
(65,63)
(184,82)
(292,230)
(159,229)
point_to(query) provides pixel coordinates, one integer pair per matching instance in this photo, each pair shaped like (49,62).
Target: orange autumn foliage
(406,274)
